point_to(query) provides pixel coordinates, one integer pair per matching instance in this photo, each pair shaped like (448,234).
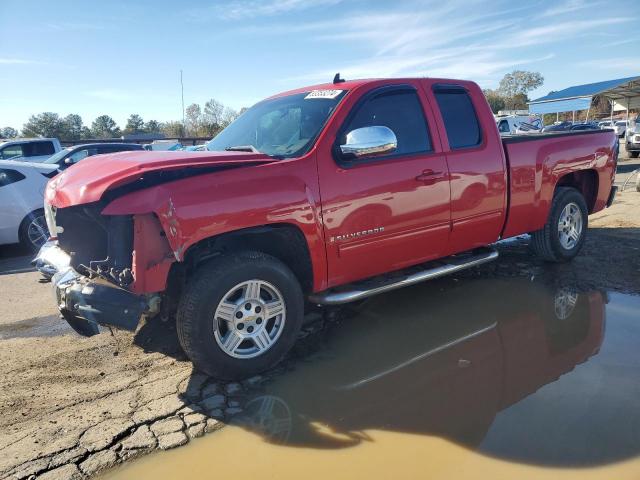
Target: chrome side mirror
(369,142)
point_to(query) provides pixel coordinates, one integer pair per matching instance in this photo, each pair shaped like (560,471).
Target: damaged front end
(92,265)
(85,303)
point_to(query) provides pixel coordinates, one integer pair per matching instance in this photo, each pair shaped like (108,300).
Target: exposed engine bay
(98,245)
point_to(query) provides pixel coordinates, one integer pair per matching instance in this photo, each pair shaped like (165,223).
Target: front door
(385,213)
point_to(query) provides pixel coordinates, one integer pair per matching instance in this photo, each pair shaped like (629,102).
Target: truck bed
(537,161)
(530,137)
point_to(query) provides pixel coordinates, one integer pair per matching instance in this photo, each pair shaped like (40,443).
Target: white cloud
(19,61)
(74,26)
(243,9)
(438,42)
(569,6)
(629,64)
(554,32)
(482,68)
(619,42)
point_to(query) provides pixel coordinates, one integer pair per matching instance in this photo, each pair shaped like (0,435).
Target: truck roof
(25,139)
(353,84)
(346,85)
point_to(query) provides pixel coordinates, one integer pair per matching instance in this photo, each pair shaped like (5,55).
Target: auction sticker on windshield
(323,94)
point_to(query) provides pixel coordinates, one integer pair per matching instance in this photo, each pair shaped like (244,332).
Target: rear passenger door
(476,165)
(384,213)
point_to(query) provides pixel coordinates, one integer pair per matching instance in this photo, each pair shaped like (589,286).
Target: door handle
(428,176)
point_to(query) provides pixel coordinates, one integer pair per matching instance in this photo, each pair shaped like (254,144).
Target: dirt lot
(72,406)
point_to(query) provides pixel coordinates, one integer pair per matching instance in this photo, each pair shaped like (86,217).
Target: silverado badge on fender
(361,233)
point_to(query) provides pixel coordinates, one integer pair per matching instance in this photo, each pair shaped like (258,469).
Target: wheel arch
(284,241)
(585,181)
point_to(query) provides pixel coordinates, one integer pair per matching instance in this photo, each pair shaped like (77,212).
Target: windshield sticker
(323,94)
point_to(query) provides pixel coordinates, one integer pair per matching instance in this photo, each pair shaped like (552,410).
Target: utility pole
(184,127)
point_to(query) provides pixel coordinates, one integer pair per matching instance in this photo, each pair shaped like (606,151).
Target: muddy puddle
(451,379)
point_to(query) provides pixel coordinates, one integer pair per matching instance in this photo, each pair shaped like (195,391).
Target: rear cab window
(38,149)
(459,116)
(43,148)
(398,108)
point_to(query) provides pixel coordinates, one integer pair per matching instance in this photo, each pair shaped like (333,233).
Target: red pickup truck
(321,195)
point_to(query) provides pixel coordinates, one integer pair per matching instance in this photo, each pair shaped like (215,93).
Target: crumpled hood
(90,178)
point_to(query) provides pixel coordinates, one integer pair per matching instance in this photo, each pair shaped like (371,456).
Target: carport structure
(622,93)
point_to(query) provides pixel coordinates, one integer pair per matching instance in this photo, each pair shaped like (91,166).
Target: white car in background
(29,149)
(620,127)
(22,187)
(512,124)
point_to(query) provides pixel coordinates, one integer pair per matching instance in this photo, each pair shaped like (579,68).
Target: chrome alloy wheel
(564,303)
(37,232)
(249,319)
(570,226)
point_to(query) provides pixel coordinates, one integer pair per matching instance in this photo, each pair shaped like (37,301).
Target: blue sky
(119,58)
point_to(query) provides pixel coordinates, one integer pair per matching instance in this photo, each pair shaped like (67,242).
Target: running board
(386,283)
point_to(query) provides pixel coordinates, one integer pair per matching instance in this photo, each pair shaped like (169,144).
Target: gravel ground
(72,406)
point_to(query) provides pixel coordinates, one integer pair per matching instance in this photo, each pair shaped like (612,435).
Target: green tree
(105,127)
(73,127)
(515,86)
(153,126)
(212,117)
(8,132)
(86,133)
(46,124)
(495,100)
(193,115)
(135,124)
(519,102)
(173,129)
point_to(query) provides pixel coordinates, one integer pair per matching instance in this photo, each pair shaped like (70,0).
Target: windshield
(55,158)
(283,127)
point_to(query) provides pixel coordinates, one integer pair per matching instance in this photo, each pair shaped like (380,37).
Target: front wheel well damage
(283,241)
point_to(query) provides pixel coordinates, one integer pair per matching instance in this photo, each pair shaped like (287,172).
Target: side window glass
(504,126)
(400,111)
(11,151)
(77,156)
(460,119)
(42,148)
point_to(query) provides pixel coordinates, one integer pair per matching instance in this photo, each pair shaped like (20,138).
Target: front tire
(239,315)
(563,235)
(33,231)
(634,154)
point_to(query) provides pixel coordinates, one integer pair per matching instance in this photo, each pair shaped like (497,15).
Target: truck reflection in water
(432,362)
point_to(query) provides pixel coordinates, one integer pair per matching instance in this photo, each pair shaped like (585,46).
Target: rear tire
(33,231)
(240,315)
(564,232)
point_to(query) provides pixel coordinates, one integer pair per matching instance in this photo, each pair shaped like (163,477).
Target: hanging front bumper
(88,303)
